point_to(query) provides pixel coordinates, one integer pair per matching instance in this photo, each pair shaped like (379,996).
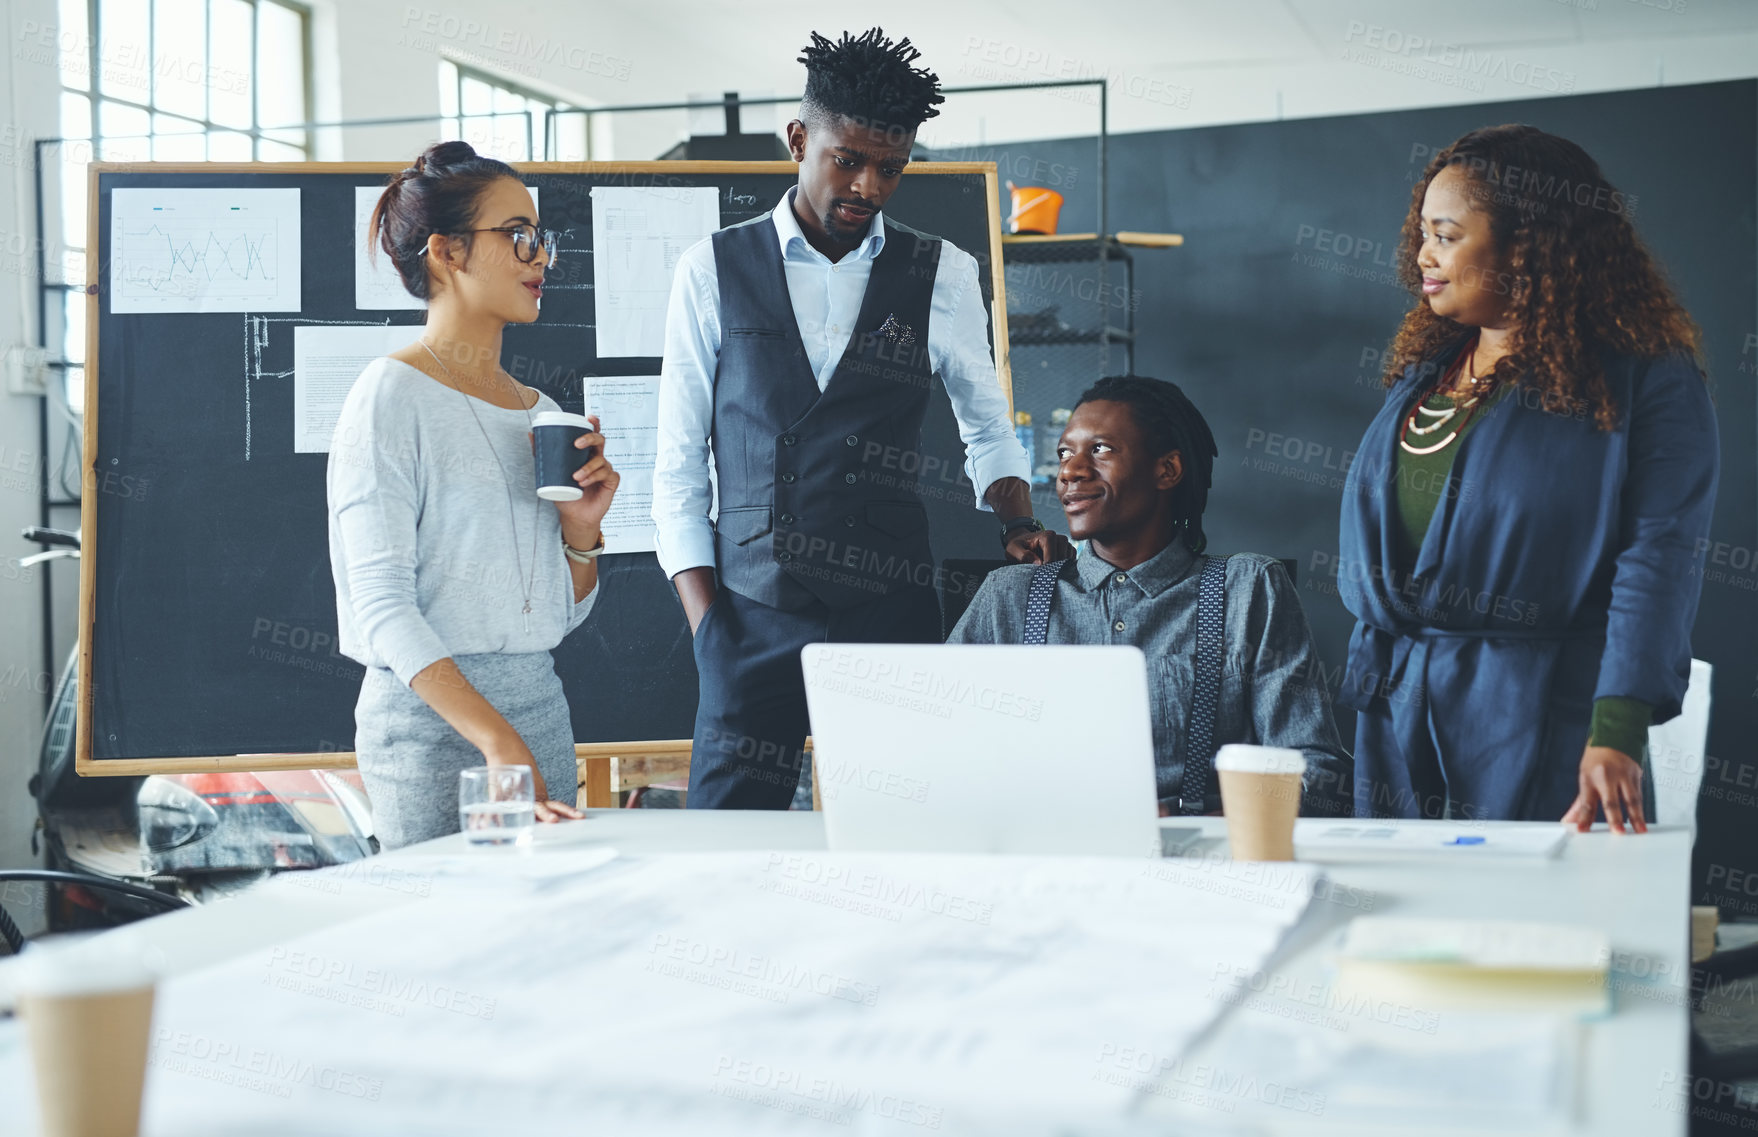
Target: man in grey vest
(800,349)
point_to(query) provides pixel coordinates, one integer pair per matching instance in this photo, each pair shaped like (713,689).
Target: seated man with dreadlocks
(1136,459)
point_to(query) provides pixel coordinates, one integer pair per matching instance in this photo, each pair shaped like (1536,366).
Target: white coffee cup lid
(84,964)
(1243,758)
(560,418)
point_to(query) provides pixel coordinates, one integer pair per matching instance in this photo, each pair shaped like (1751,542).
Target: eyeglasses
(526,240)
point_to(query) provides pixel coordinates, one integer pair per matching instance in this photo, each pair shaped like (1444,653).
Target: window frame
(539,127)
(73,292)
(256,131)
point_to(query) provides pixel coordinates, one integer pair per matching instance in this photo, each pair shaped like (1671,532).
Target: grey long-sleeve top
(1272,689)
(429,559)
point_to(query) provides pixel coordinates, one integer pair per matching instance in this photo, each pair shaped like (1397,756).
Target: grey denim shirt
(1272,688)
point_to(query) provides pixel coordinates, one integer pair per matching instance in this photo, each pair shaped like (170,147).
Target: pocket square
(895,329)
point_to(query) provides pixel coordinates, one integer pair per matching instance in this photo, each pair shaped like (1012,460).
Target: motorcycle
(202,837)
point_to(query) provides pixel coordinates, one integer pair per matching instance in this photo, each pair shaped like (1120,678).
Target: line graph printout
(204,250)
(638,234)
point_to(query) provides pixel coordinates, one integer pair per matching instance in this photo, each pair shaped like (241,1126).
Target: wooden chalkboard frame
(597,754)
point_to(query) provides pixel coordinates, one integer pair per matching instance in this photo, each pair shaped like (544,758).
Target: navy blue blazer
(1563,564)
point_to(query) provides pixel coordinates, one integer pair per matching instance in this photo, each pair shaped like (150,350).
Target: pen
(1465,841)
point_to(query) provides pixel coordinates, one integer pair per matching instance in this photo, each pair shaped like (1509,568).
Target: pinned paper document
(628,406)
(638,235)
(326,361)
(204,250)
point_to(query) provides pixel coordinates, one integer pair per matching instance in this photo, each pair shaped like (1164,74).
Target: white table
(1635,888)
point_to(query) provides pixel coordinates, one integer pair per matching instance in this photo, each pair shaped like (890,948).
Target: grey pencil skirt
(409,757)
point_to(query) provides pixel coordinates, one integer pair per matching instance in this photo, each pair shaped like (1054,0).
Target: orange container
(1035,209)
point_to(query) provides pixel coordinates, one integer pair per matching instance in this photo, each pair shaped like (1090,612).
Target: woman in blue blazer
(1522,525)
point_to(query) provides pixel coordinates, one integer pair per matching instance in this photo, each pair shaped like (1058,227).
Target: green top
(1620,723)
(1422,478)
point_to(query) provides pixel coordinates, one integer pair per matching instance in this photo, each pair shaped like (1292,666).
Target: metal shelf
(1046,327)
(1059,250)
(1035,248)
(1106,334)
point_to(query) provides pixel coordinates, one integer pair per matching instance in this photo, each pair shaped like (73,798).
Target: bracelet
(584,556)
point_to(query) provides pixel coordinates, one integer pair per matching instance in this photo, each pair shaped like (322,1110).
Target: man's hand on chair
(1038,547)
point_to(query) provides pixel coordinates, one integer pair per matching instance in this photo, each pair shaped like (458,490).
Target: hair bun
(442,156)
(437,193)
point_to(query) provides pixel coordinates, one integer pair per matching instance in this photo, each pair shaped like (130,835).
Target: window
(168,81)
(506,121)
(187,80)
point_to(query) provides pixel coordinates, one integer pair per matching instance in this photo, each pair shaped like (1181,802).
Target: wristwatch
(1030,524)
(584,556)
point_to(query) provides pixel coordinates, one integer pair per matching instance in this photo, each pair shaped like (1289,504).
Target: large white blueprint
(724,993)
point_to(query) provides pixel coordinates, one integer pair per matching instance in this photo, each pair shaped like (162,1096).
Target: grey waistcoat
(811,508)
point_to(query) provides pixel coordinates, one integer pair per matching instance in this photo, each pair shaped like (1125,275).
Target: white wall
(28,80)
(386,55)
(1169,63)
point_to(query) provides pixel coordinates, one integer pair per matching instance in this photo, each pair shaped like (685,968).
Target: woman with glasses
(454,580)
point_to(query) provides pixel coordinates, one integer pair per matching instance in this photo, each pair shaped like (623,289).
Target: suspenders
(1038,598)
(1211,611)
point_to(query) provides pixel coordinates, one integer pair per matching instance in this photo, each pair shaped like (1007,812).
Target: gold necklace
(1441,418)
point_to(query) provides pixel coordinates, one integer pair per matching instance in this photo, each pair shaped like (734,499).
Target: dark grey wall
(1273,315)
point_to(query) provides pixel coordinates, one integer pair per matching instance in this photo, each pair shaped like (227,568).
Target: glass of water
(496,805)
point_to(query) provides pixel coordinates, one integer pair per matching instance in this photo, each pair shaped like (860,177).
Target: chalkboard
(207,605)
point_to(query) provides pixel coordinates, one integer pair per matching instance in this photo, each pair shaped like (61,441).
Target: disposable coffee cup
(1260,796)
(558,459)
(88,1011)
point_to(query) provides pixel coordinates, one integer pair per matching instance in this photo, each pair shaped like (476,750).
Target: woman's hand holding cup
(573,472)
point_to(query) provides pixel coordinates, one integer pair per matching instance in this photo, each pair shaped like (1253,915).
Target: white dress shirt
(826,298)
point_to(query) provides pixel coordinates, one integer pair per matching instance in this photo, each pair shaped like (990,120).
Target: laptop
(968,748)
